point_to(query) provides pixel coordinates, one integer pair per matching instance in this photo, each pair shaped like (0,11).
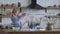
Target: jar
(6,5)
(54,5)
(13,5)
(59,5)
(2,5)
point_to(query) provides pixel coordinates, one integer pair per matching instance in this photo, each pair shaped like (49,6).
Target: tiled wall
(41,13)
(36,13)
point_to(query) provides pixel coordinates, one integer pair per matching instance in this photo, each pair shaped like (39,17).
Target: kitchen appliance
(34,5)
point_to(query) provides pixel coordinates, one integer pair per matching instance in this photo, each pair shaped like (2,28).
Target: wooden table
(56,31)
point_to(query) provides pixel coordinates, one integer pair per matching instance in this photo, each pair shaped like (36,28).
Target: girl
(15,19)
(34,24)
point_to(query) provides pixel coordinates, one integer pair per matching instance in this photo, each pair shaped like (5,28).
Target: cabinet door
(34,33)
(19,33)
(2,32)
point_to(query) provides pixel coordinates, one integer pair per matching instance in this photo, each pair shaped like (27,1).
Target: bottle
(19,4)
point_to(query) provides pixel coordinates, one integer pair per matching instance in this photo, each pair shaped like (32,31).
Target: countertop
(10,30)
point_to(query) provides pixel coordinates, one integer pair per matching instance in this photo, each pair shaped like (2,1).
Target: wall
(43,3)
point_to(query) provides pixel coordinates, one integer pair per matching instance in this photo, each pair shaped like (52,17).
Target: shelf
(26,7)
(10,7)
(5,16)
(47,7)
(52,7)
(53,16)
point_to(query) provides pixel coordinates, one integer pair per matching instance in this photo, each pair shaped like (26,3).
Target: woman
(34,24)
(24,21)
(15,19)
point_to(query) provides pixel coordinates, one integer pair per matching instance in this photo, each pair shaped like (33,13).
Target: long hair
(14,11)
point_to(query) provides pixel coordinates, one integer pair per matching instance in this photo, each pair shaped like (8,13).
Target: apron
(16,21)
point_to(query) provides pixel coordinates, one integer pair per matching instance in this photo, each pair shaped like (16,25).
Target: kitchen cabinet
(2,32)
(35,32)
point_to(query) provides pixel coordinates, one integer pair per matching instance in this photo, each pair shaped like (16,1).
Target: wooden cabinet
(54,31)
(10,31)
(2,32)
(38,32)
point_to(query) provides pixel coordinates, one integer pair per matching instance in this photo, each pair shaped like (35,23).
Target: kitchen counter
(54,31)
